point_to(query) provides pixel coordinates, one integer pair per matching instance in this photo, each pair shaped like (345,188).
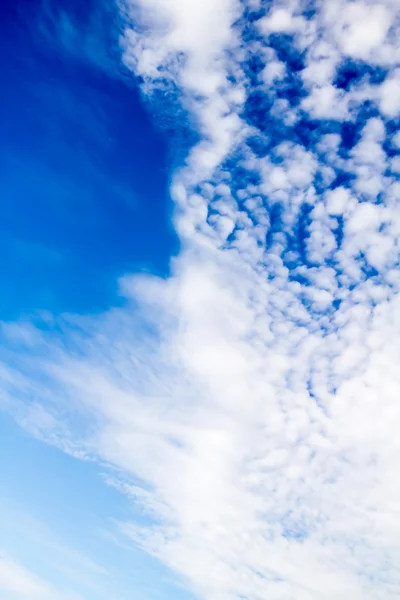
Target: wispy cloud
(249,402)
(18,582)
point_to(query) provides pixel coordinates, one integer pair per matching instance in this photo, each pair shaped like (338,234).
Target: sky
(199,307)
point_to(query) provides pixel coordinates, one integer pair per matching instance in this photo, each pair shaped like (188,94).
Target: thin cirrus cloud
(18,582)
(249,402)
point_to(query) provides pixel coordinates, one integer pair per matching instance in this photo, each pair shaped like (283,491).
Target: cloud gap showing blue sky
(234,398)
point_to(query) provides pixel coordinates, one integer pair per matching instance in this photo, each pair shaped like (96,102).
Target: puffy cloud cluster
(250,401)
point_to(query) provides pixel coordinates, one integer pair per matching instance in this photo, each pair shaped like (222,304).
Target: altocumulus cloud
(250,402)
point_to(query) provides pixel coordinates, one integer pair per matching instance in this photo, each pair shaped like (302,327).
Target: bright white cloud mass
(249,403)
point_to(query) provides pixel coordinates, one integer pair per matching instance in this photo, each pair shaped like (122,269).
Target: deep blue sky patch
(84,174)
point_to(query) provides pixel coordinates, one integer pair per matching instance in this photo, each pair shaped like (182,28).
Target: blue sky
(78,211)
(200,300)
(84,188)
(55,515)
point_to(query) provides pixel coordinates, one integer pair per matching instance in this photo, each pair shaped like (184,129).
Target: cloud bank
(249,403)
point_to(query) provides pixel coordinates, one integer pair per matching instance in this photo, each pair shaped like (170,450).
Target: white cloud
(395,164)
(274,70)
(280,20)
(362,28)
(253,393)
(326,102)
(364,218)
(218,422)
(396,139)
(186,42)
(389,93)
(339,201)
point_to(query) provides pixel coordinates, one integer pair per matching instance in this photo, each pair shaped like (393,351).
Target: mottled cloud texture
(250,402)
